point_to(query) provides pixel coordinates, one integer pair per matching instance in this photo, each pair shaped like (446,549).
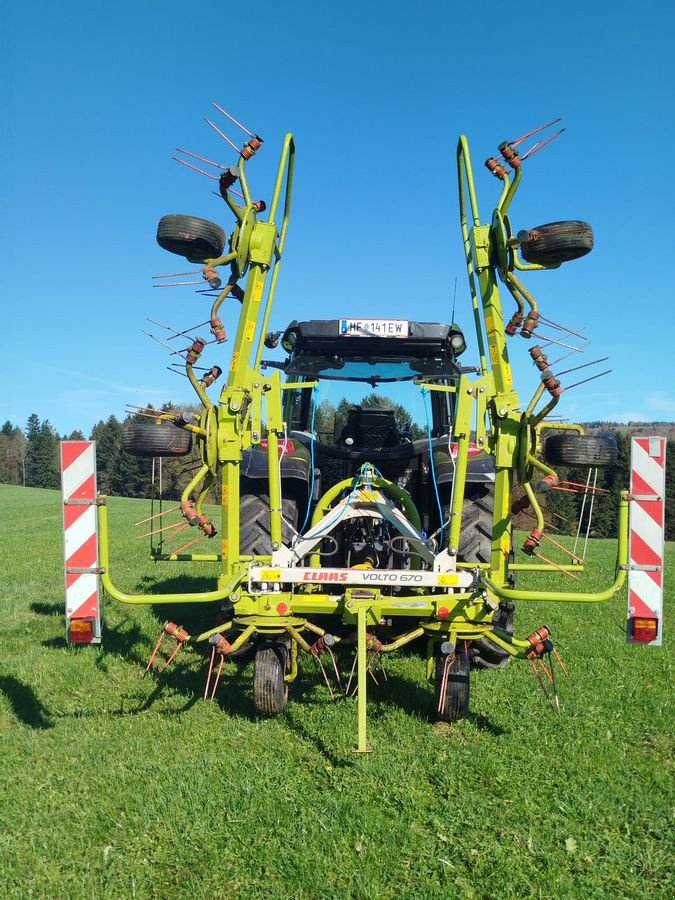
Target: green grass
(112,785)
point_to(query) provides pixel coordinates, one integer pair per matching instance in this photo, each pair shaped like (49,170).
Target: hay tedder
(351,529)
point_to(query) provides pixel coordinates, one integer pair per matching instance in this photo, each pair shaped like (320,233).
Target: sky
(95,97)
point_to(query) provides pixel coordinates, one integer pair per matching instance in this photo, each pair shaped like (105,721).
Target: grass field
(112,785)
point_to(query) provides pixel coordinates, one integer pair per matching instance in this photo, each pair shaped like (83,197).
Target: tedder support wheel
(254,520)
(156,440)
(196,239)
(555,243)
(270,691)
(453,673)
(476,546)
(581,450)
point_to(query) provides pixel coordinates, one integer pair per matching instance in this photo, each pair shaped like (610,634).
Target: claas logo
(323,575)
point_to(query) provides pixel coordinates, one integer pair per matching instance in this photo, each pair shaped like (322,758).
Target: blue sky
(96,97)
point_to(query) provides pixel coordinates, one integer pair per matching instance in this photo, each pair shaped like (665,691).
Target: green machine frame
(282,595)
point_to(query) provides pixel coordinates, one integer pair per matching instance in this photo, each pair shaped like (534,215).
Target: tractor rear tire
(475,545)
(475,541)
(456,701)
(156,440)
(556,243)
(270,691)
(197,239)
(254,518)
(581,450)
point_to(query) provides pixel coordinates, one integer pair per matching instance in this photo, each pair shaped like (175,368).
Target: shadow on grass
(48,609)
(418,700)
(314,738)
(24,702)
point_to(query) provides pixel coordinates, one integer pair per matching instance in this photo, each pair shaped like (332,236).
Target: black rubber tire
(475,545)
(196,239)
(156,440)
(475,542)
(456,704)
(270,691)
(254,519)
(581,450)
(555,243)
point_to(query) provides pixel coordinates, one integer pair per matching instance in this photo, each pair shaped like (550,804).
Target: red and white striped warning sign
(78,489)
(647,508)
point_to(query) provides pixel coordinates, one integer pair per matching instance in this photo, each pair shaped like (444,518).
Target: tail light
(644,630)
(81,631)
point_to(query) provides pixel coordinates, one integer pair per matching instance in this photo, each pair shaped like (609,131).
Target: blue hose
(433,465)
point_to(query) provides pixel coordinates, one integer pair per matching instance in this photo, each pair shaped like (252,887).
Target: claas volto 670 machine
(347,525)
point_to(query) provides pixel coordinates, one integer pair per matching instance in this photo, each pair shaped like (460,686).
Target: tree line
(30,457)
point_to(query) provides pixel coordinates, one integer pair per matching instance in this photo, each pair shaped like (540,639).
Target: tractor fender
(480,466)
(294,462)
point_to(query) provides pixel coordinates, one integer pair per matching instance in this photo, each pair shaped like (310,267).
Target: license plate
(397,328)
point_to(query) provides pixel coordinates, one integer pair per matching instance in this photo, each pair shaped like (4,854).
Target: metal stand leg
(362,677)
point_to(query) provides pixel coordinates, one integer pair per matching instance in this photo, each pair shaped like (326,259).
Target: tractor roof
(379,337)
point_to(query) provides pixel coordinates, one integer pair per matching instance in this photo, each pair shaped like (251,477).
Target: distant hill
(664,429)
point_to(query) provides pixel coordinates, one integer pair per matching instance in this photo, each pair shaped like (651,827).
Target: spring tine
(531,515)
(217,678)
(545,670)
(159,340)
(184,162)
(444,684)
(325,676)
(179,333)
(177,284)
(564,549)
(550,340)
(566,328)
(165,512)
(171,275)
(582,366)
(369,669)
(208,674)
(335,667)
(562,664)
(586,380)
(148,408)
(224,136)
(351,675)
(184,526)
(567,355)
(229,191)
(154,653)
(176,372)
(172,657)
(158,530)
(149,415)
(539,679)
(556,566)
(232,119)
(202,158)
(524,137)
(552,677)
(587,487)
(540,144)
(189,543)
